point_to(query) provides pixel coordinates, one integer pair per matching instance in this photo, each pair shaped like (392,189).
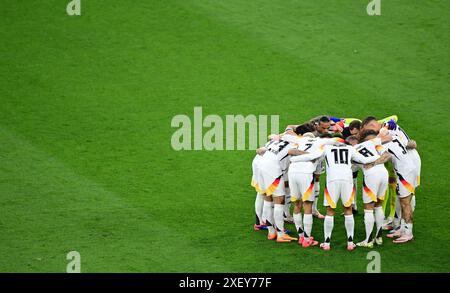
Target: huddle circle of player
(288,168)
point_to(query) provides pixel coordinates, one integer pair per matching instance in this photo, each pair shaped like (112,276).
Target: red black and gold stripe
(330,202)
(308,192)
(369,192)
(405,183)
(270,190)
(352,197)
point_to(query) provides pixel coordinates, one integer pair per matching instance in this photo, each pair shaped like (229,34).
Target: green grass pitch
(86,104)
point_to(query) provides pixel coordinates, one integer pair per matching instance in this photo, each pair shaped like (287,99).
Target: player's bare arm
(381,160)
(296,152)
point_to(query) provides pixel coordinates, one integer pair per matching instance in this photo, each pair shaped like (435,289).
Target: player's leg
(308,240)
(406,194)
(259,201)
(390,198)
(259,204)
(267,185)
(308,196)
(268,218)
(378,209)
(393,198)
(407,215)
(397,219)
(405,191)
(298,220)
(278,196)
(295,197)
(320,169)
(369,199)
(287,205)
(348,194)
(397,222)
(330,199)
(369,221)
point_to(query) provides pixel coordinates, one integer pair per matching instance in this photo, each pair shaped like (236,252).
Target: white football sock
(259,204)
(349,227)
(409,229)
(369,220)
(307,225)
(278,214)
(328,228)
(413,203)
(298,223)
(379,217)
(268,216)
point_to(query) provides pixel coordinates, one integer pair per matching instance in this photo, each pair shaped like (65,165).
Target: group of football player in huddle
(287,171)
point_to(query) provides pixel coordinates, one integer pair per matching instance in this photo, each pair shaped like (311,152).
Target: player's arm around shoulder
(296,152)
(309,156)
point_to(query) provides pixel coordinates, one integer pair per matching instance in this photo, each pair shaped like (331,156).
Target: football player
(270,180)
(391,127)
(375,184)
(338,159)
(407,180)
(301,182)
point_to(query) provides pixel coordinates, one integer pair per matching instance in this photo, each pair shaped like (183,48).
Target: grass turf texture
(86,104)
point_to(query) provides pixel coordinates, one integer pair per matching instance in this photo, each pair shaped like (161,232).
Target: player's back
(309,145)
(371,148)
(401,159)
(276,158)
(305,144)
(338,162)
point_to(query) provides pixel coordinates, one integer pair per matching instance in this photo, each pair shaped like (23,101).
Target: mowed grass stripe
(50,210)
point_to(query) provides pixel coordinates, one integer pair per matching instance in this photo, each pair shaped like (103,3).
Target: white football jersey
(404,138)
(309,145)
(401,159)
(397,131)
(371,148)
(338,159)
(276,159)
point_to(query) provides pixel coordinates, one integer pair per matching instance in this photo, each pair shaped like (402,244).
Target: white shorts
(339,189)
(418,164)
(269,185)
(320,168)
(255,164)
(375,186)
(254,182)
(407,183)
(301,186)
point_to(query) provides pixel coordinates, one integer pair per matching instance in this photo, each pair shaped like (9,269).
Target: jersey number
(340,156)
(365,152)
(278,146)
(308,146)
(400,145)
